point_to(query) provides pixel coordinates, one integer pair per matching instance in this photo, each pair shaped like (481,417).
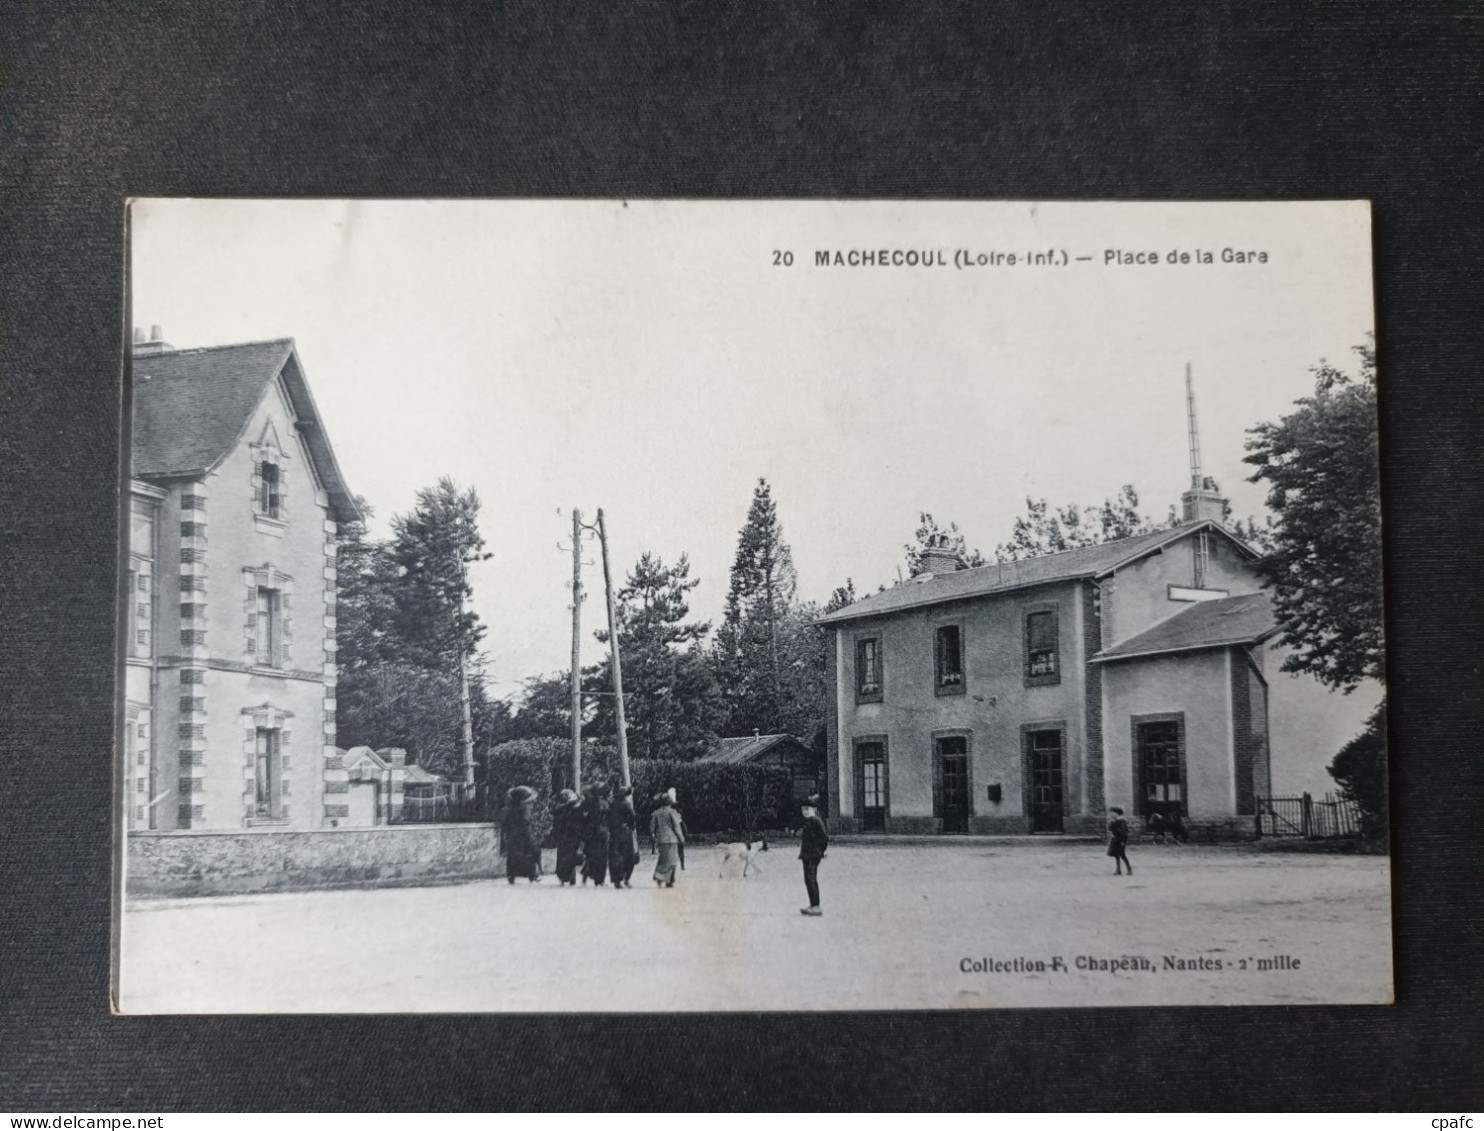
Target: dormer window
(269,476)
(270,496)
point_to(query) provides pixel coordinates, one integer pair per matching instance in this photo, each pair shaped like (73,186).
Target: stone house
(1029,696)
(229,617)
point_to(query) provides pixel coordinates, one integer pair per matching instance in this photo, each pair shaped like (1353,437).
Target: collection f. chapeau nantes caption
(626,605)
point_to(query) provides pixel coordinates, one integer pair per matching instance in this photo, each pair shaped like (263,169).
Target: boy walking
(1118,842)
(812,845)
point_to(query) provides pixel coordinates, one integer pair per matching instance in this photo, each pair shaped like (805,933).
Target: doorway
(1161,777)
(952,779)
(871,785)
(1044,764)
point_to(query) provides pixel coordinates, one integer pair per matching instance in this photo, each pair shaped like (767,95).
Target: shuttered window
(1042,653)
(868,669)
(948,657)
(269,626)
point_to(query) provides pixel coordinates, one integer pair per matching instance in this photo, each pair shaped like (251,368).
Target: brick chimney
(937,557)
(153,343)
(1203,502)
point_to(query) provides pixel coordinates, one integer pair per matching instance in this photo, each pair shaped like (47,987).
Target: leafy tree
(400,631)
(1323,566)
(545,709)
(393,703)
(930,535)
(671,702)
(1043,530)
(842,596)
(433,548)
(1360,770)
(365,602)
(806,691)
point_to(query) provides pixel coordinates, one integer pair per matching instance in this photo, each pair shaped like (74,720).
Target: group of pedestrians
(597,837)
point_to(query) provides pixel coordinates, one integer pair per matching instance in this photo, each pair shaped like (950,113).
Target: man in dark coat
(623,837)
(567,826)
(594,836)
(814,841)
(1118,842)
(522,854)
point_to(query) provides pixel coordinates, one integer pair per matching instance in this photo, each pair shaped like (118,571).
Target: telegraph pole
(576,650)
(623,740)
(464,708)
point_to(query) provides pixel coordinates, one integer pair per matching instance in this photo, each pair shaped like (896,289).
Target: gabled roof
(1003,577)
(1206,624)
(738,751)
(192,407)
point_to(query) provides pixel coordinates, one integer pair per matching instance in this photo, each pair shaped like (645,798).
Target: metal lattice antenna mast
(1195,436)
(1202,554)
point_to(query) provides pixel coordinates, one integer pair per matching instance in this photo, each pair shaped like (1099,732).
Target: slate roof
(192,407)
(738,751)
(1206,624)
(1003,577)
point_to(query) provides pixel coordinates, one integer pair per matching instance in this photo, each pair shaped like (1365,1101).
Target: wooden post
(576,650)
(1308,820)
(466,714)
(623,739)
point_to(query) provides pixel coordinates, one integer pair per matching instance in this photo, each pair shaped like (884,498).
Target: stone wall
(177,863)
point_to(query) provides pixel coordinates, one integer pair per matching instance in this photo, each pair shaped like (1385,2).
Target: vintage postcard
(603,605)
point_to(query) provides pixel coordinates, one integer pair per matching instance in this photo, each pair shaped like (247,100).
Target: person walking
(623,838)
(666,835)
(813,842)
(522,853)
(594,836)
(1118,842)
(567,825)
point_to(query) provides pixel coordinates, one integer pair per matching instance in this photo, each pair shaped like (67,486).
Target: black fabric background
(1078,99)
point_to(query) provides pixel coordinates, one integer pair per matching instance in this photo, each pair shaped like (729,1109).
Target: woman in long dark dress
(623,838)
(567,825)
(522,853)
(594,836)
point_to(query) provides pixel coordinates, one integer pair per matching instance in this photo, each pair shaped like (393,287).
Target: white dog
(744,851)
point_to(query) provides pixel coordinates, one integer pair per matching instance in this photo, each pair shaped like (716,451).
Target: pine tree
(671,702)
(751,649)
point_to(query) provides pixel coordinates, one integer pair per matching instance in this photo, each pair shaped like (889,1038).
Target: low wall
(180,863)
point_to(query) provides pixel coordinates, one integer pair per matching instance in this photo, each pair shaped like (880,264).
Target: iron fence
(446,802)
(1302,816)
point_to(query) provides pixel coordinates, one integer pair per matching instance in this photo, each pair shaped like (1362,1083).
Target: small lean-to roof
(1003,577)
(192,407)
(739,751)
(416,775)
(1206,624)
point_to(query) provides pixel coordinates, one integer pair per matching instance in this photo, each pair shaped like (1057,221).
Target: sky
(654,358)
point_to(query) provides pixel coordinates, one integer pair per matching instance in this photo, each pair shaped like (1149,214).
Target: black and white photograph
(607,605)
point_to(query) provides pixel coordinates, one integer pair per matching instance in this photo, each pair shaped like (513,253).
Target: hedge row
(712,797)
